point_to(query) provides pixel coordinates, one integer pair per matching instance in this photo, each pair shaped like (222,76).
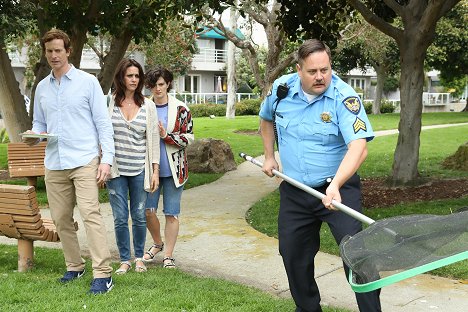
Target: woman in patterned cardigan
(176,131)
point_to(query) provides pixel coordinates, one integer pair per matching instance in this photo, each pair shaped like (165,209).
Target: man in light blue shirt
(321,129)
(70,106)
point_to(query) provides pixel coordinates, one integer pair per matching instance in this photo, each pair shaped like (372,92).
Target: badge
(359,125)
(353,104)
(325,116)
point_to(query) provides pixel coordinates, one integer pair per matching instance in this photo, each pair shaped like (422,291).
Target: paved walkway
(215,240)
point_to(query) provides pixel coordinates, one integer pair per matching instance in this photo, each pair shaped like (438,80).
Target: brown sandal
(159,247)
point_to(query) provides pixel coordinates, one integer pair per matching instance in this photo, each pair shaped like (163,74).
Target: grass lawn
(156,290)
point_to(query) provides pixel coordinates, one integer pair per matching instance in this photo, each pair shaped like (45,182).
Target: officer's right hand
(30,141)
(269,165)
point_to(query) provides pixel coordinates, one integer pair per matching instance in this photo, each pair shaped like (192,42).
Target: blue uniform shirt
(74,110)
(313,136)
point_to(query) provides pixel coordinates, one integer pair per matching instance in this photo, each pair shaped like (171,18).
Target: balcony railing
(216,98)
(210,56)
(436,99)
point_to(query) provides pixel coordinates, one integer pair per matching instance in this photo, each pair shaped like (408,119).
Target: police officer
(322,130)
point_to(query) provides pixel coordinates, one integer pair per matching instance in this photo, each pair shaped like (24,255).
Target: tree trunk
(381,76)
(78,39)
(231,69)
(117,51)
(406,158)
(12,105)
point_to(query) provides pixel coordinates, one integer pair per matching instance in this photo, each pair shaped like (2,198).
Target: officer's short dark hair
(310,46)
(153,75)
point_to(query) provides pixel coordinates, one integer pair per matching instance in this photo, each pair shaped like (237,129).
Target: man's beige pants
(64,188)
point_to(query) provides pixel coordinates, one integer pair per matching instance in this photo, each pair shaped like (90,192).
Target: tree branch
(376,21)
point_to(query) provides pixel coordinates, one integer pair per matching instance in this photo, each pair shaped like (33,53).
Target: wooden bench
(20,218)
(19,213)
(26,161)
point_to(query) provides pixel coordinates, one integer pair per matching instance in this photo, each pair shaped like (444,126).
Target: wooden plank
(38,231)
(42,236)
(18,195)
(30,219)
(31,162)
(26,146)
(29,226)
(27,202)
(11,188)
(18,204)
(26,152)
(20,173)
(25,212)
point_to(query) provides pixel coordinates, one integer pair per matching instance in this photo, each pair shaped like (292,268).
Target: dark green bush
(207,109)
(368,107)
(243,108)
(386,107)
(248,107)
(391,84)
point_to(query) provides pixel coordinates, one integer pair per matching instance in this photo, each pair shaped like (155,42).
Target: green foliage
(387,107)
(323,20)
(16,18)
(244,74)
(448,52)
(391,84)
(179,46)
(4,136)
(248,107)
(456,85)
(368,107)
(207,109)
(243,108)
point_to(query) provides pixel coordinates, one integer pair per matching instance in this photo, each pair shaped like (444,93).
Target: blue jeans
(171,197)
(119,188)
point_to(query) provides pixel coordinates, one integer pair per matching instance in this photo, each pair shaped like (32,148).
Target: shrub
(207,109)
(243,108)
(368,107)
(248,107)
(387,107)
(391,84)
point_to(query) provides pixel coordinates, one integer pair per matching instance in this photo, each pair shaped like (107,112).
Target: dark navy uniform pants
(299,221)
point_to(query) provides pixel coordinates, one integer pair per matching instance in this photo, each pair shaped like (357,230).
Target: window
(192,83)
(220,84)
(358,83)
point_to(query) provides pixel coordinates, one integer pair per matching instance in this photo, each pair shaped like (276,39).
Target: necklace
(128,102)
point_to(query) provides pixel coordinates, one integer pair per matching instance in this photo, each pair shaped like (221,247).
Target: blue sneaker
(101,285)
(71,275)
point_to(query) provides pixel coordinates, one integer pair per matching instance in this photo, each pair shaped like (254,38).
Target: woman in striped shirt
(136,165)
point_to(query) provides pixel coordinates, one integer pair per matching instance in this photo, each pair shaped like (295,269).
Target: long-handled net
(394,249)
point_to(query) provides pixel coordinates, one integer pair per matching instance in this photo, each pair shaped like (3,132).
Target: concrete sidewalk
(215,240)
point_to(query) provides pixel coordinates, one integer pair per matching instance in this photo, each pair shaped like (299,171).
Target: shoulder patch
(359,125)
(353,104)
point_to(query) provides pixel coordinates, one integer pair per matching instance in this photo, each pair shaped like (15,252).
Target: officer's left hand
(332,193)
